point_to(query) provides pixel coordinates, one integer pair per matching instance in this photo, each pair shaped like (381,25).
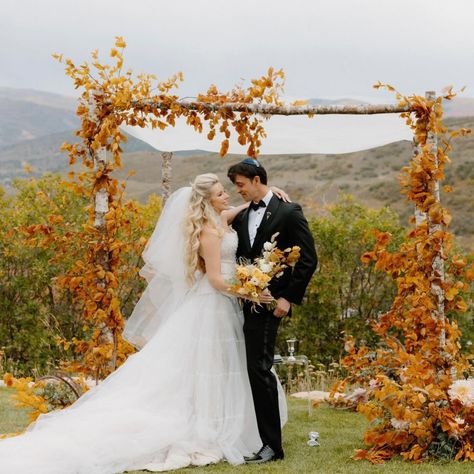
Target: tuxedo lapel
(268,217)
(244,234)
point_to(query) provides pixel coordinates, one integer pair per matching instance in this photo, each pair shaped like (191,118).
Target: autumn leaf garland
(412,377)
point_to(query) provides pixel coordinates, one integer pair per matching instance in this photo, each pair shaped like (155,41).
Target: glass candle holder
(291,343)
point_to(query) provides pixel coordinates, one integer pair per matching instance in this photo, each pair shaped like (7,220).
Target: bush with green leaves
(344,295)
(34,311)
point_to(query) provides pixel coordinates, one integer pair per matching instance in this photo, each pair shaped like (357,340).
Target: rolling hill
(316,180)
(33,125)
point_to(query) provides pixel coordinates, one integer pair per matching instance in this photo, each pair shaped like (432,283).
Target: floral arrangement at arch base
(419,394)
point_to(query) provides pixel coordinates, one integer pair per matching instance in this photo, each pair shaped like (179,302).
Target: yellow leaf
(119,42)
(447,218)
(299,103)
(451,293)
(459,261)
(98,296)
(460,305)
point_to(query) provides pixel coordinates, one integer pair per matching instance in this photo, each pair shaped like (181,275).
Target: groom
(265,216)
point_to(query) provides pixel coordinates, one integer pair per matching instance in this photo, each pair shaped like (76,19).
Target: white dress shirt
(255,217)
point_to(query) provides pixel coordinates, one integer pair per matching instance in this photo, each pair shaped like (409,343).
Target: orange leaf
(119,42)
(367,257)
(224,147)
(459,261)
(460,305)
(8,379)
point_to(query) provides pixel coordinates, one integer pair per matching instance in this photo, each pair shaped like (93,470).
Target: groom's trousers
(260,330)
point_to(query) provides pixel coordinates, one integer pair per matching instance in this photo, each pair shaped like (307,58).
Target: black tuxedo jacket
(287,219)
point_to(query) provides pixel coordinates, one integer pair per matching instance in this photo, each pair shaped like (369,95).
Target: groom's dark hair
(248,168)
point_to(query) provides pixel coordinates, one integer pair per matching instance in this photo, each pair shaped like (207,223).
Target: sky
(328,49)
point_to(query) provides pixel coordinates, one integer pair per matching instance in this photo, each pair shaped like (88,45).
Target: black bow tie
(256,205)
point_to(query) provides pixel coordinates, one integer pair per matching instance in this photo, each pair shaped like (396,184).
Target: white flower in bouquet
(266,267)
(269,246)
(254,281)
(462,390)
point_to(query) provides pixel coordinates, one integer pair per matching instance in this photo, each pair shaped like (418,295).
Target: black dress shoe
(265,454)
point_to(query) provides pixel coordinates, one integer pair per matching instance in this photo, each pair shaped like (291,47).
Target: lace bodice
(229,245)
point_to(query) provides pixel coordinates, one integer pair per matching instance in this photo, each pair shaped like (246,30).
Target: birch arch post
(166,170)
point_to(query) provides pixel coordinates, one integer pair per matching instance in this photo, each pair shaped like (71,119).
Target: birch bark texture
(166,172)
(438,273)
(270,109)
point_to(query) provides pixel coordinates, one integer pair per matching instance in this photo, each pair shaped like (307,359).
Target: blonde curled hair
(199,214)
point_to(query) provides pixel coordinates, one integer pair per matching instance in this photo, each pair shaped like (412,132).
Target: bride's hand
(266,297)
(280,193)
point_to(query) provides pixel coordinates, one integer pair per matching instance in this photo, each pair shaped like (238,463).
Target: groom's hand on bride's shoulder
(282,308)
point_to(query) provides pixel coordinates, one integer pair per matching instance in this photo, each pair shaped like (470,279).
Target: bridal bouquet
(253,278)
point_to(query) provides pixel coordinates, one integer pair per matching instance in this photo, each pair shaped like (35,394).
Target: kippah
(251,161)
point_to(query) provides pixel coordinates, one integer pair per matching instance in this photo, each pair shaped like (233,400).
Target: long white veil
(164,271)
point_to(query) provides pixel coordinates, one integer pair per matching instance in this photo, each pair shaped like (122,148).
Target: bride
(184,398)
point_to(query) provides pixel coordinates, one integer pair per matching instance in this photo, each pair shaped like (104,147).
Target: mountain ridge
(314,179)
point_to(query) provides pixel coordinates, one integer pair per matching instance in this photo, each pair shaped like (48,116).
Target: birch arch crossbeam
(268,109)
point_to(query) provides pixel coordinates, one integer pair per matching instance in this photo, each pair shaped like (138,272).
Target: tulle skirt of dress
(183,399)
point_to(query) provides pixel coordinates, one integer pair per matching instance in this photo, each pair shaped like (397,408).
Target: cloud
(335,48)
(328,49)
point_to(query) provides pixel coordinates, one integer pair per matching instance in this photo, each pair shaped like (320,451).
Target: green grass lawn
(340,431)
(11,419)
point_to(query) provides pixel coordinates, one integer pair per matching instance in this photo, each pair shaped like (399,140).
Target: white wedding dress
(184,399)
